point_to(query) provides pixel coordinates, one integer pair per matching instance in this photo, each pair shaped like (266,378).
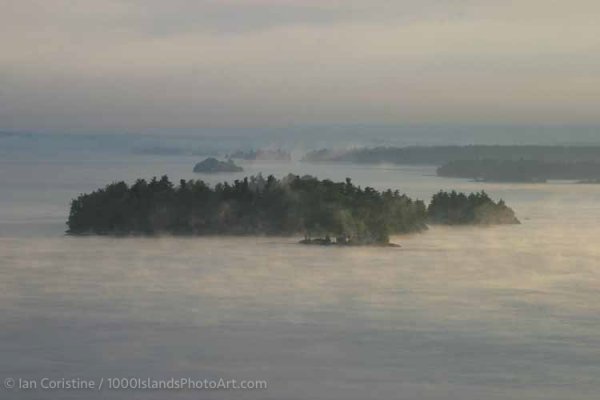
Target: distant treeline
(255,205)
(266,154)
(520,170)
(439,155)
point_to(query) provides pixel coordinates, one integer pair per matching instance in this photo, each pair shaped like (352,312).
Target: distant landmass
(212,165)
(590,181)
(12,134)
(252,155)
(439,155)
(318,209)
(520,170)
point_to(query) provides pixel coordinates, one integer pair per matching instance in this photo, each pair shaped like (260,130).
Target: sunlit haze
(138,66)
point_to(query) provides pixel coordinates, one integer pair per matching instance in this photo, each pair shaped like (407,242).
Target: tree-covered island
(325,212)
(212,165)
(453,208)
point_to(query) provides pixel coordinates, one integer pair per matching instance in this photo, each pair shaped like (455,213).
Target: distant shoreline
(500,164)
(439,155)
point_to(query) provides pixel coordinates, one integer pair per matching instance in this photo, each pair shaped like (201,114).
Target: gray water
(508,312)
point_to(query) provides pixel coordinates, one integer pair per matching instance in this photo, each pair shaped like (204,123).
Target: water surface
(508,312)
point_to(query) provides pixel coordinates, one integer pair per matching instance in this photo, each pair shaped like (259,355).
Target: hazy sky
(136,65)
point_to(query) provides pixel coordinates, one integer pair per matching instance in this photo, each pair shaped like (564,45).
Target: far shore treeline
(486,163)
(269,206)
(520,170)
(439,155)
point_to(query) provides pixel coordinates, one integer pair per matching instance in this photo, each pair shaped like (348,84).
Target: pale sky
(137,65)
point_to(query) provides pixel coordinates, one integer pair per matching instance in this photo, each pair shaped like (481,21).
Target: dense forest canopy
(438,155)
(255,205)
(453,208)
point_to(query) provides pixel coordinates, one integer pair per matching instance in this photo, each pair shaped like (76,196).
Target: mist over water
(508,312)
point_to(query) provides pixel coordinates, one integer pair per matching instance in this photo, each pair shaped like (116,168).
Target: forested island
(212,165)
(520,170)
(439,155)
(453,208)
(317,209)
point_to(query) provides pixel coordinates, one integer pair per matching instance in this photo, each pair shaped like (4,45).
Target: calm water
(462,313)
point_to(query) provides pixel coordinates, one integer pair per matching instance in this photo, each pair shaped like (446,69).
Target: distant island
(212,165)
(318,209)
(439,155)
(265,155)
(520,170)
